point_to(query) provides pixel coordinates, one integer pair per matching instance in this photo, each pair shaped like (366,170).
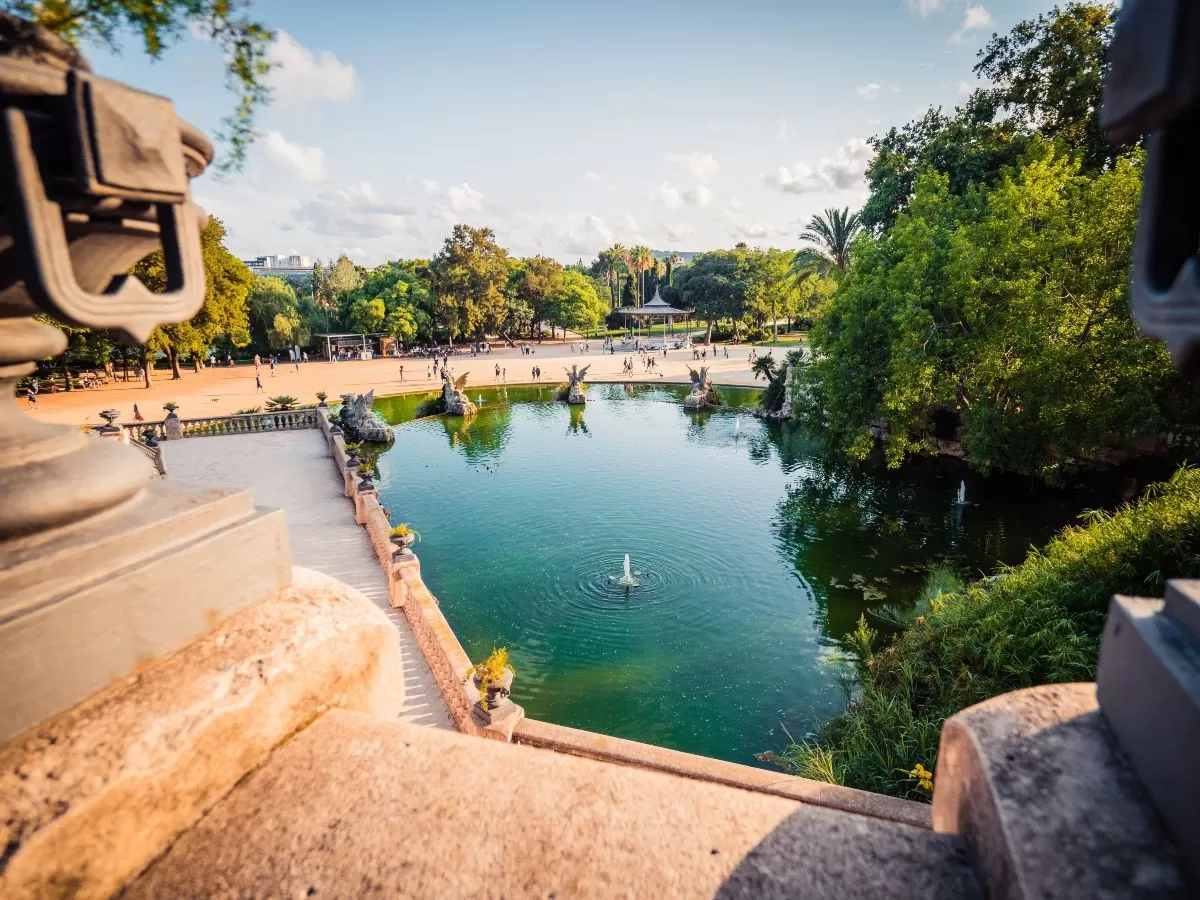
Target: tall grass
(1036,623)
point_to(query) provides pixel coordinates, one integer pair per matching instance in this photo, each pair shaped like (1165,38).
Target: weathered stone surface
(83,605)
(1034,783)
(575,377)
(606,748)
(88,798)
(1148,685)
(454,401)
(819,852)
(356,807)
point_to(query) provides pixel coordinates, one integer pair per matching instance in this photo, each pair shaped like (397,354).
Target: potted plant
(403,536)
(494,678)
(321,396)
(170,407)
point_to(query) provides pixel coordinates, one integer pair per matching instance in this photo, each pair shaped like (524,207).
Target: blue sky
(566,127)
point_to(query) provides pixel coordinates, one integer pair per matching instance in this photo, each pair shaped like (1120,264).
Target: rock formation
(575,383)
(360,422)
(454,401)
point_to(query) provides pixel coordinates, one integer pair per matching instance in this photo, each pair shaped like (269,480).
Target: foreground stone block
(88,798)
(1148,685)
(1034,783)
(355,807)
(85,604)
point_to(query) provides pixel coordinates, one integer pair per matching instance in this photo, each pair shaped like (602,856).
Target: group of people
(701,354)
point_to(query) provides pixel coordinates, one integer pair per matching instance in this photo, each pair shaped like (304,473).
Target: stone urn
(495,698)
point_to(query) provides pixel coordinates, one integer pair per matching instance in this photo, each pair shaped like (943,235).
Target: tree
(343,276)
(673,260)
(1044,78)
(275,320)
(831,235)
(575,304)
(999,319)
(608,267)
(537,281)
(469,275)
(227,284)
(714,285)
(242,41)
(1047,75)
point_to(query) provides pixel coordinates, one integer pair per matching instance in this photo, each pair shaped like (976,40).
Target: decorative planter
(497,696)
(403,541)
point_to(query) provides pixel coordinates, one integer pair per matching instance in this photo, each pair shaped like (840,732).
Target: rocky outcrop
(360,422)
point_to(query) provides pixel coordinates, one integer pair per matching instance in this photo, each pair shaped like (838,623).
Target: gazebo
(657,308)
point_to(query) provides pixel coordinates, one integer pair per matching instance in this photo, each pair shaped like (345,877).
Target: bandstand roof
(656,307)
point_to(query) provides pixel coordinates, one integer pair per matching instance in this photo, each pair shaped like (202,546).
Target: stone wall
(447,659)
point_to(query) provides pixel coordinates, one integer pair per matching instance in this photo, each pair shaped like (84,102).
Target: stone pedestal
(86,603)
(575,395)
(696,400)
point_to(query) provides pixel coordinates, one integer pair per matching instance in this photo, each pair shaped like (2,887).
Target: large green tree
(575,304)
(999,318)
(469,276)
(1042,78)
(535,282)
(227,284)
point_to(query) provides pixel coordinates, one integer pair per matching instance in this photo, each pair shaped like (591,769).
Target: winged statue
(461,381)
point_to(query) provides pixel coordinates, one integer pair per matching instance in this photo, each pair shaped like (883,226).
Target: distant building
(289,264)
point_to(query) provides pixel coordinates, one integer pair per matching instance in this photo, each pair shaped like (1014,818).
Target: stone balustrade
(245,423)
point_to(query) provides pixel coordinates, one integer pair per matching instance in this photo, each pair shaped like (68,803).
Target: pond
(757,553)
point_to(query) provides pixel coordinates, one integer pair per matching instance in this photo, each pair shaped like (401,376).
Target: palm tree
(610,268)
(830,237)
(764,367)
(672,261)
(643,259)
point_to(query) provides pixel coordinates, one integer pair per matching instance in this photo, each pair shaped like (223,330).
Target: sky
(566,127)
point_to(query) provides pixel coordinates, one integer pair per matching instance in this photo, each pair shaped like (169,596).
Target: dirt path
(223,390)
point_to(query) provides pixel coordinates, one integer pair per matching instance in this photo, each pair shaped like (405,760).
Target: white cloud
(431,186)
(670,197)
(842,171)
(750,232)
(675,233)
(591,176)
(667,196)
(964,89)
(306,163)
(587,239)
(632,233)
(464,198)
(702,165)
(352,212)
(925,7)
(298,76)
(974,19)
(868,91)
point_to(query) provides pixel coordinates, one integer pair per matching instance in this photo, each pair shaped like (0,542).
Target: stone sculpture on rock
(454,401)
(575,383)
(360,422)
(701,385)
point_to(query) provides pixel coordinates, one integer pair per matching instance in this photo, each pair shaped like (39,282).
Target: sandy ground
(224,390)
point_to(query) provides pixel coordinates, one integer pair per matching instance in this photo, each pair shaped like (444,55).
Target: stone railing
(447,659)
(173,428)
(154,454)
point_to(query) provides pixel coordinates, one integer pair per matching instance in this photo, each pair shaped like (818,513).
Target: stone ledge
(357,807)
(591,745)
(89,797)
(1034,783)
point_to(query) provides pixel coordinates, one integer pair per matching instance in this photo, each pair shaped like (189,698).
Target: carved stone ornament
(93,176)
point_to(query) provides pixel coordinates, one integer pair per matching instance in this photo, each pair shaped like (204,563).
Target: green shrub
(282,403)
(1036,623)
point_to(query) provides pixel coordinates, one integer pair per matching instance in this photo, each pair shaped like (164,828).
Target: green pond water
(757,554)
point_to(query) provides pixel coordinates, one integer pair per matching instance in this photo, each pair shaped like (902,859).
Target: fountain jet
(962,494)
(627,580)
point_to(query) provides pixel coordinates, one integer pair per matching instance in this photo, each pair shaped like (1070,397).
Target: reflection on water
(758,554)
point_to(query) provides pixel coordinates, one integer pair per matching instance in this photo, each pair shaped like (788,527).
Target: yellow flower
(922,776)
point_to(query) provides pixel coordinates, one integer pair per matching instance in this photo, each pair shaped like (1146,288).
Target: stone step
(354,806)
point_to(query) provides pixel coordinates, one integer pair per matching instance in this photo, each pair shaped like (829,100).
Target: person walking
(497,370)
(402,373)
(258,388)
(504,375)
(257,361)
(137,414)
(33,392)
